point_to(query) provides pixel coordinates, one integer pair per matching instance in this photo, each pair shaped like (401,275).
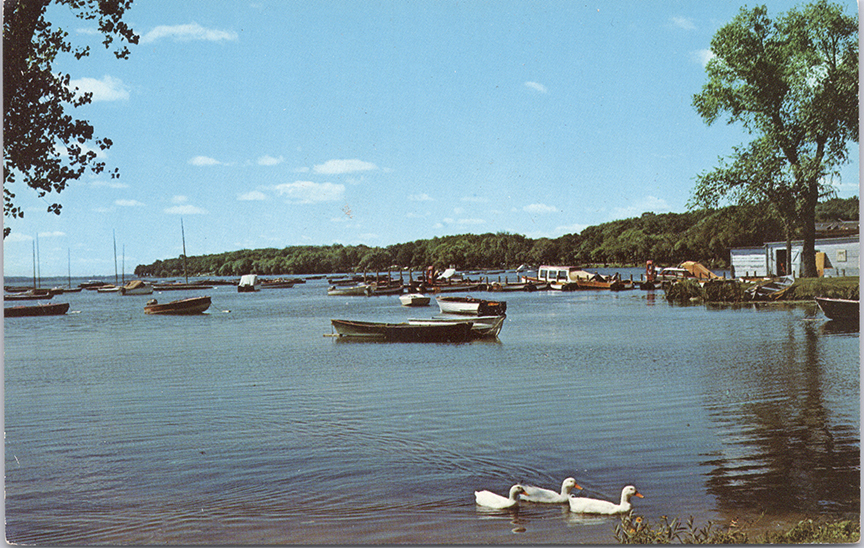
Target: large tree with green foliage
(43,144)
(793,83)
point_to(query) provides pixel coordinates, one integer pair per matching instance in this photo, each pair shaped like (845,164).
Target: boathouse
(837,254)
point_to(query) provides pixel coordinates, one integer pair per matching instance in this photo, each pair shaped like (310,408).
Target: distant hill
(667,238)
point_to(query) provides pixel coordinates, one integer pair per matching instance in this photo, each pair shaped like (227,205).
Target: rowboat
(470,305)
(481,326)
(414,299)
(192,305)
(248,283)
(53,309)
(403,332)
(843,310)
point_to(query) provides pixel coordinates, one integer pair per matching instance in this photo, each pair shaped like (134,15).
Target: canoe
(844,310)
(53,309)
(481,326)
(192,305)
(403,332)
(414,299)
(471,306)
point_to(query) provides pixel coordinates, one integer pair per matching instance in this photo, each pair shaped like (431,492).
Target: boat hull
(403,332)
(53,309)
(182,307)
(471,306)
(842,310)
(414,300)
(481,326)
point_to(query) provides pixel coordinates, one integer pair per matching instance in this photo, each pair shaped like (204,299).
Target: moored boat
(414,299)
(403,332)
(470,305)
(52,309)
(192,305)
(248,283)
(481,326)
(841,310)
(359,290)
(29,295)
(137,287)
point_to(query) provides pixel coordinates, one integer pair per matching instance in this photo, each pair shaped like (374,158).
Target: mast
(69,263)
(38,272)
(123,269)
(183,234)
(115,257)
(34,264)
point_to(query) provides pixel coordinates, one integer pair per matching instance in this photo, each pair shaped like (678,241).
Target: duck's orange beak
(639,495)
(577,486)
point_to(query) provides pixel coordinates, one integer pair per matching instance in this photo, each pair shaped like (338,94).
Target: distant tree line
(669,238)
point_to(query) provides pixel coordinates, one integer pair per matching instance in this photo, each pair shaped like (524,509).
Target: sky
(273,123)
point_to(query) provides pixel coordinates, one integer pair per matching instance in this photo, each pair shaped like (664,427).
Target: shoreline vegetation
(735,292)
(705,236)
(635,529)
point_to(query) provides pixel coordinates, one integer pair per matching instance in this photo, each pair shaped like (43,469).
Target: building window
(841,255)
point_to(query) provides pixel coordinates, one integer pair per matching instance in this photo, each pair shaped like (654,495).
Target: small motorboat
(53,309)
(470,305)
(414,299)
(192,305)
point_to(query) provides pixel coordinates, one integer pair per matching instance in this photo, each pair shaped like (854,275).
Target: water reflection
(784,451)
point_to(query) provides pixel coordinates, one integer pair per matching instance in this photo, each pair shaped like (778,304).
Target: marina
(123,427)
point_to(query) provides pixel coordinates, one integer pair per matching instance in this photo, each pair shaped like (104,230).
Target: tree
(793,83)
(42,144)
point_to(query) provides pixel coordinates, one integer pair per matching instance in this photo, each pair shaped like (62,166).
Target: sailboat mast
(183,234)
(69,265)
(123,264)
(115,257)
(38,266)
(34,264)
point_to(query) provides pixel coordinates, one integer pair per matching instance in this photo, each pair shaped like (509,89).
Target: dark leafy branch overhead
(45,147)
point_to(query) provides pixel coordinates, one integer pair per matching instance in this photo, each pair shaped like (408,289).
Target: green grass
(637,530)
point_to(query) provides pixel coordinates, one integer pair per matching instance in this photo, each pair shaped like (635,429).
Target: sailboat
(112,288)
(68,289)
(178,285)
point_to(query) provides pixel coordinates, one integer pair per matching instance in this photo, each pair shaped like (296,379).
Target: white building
(834,257)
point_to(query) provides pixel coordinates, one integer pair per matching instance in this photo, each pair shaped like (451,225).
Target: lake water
(246,425)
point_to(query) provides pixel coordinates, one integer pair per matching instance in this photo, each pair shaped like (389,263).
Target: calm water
(247,425)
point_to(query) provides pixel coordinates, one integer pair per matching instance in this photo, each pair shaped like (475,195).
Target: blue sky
(274,123)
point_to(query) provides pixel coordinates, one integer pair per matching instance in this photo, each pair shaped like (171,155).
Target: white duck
(492,500)
(584,505)
(538,494)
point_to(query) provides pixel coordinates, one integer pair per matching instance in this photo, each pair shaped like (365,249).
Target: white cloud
(421,198)
(535,86)
(251,196)
(188,32)
(475,199)
(128,203)
(179,199)
(685,23)
(106,89)
(307,192)
(204,161)
(462,222)
(267,160)
(185,210)
(17,237)
(702,56)
(540,208)
(335,167)
(54,234)
(649,203)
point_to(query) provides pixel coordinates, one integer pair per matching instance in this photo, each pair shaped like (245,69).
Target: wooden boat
(192,305)
(842,310)
(403,332)
(348,291)
(248,283)
(414,299)
(29,295)
(481,326)
(109,289)
(52,309)
(470,305)
(280,283)
(385,289)
(524,286)
(137,287)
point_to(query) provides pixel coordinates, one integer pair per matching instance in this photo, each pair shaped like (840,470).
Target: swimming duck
(539,494)
(492,500)
(585,505)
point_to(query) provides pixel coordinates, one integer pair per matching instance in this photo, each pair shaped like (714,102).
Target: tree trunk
(808,230)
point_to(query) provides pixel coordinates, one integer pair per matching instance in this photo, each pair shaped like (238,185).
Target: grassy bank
(638,530)
(728,291)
